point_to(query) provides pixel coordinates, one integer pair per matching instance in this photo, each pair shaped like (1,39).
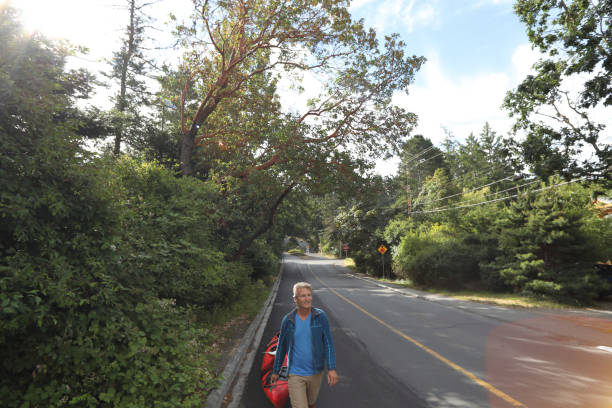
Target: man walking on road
(306,337)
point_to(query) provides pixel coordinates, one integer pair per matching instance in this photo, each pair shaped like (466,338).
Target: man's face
(303,298)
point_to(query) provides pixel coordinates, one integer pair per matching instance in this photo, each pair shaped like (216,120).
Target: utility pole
(408,190)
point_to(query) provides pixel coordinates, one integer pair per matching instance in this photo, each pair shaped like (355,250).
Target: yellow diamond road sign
(382,249)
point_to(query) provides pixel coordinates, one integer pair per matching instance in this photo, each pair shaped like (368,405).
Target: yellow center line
(462,370)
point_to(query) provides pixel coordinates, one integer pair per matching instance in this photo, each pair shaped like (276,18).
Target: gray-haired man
(305,335)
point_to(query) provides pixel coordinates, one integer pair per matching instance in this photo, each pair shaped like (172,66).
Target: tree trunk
(186,150)
(121,103)
(244,245)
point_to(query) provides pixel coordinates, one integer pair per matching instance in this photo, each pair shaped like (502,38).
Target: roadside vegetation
(529,237)
(480,296)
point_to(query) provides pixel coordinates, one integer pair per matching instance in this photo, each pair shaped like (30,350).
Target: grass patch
(296,251)
(502,299)
(480,296)
(350,263)
(405,283)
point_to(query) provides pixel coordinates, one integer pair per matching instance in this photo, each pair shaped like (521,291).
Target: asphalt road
(396,349)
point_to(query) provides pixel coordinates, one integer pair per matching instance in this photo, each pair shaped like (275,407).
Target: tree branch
(266,226)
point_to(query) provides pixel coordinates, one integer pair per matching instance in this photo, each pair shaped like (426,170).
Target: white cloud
(295,90)
(359,3)
(483,3)
(83,23)
(523,58)
(461,105)
(424,14)
(407,13)
(464,104)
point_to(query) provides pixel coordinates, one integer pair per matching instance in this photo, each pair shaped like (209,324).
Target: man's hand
(332,378)
(273,378)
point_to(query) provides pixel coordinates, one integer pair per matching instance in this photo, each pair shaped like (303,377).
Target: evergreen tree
(129,67)
(484,159)
(419,160)
(543,247)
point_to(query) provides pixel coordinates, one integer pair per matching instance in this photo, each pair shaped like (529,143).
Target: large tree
(562,133)
(232,43)
(234,129)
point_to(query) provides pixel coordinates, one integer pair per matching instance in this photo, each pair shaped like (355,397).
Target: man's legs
(304,391)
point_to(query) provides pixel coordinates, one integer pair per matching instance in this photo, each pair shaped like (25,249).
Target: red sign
(382,249)
(345,247)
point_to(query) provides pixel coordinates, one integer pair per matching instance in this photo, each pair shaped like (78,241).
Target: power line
(489,194)
(465,192)
(469,191)
(503,191)
(419,154)
(432,157)
(491,201)
(479,172)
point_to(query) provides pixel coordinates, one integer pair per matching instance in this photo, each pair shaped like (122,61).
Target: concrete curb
(237,368)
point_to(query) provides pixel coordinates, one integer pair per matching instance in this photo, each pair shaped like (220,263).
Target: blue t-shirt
(301,357)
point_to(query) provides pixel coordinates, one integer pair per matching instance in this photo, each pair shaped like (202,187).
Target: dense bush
(435,257)
(89,315)
(263,258)
(548,244)
(168,241)
(96,299)
(543,244)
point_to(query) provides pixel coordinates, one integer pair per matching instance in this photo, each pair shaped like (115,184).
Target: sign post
(382,249)
(345,248)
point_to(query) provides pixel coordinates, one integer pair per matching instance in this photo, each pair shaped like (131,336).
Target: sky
(476,50)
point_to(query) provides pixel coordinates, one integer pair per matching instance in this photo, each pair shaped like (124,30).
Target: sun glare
(95,24)
(51,18)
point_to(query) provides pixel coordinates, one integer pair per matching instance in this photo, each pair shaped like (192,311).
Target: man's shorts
(304,391)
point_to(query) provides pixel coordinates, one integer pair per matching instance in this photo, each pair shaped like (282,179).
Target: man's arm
(328,342)
(281,350)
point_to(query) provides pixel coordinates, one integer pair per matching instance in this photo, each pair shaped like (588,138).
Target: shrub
(413,243)
(446,264)
(167,240)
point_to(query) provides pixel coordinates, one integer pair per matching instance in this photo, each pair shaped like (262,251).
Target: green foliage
(419,160)
(98,314)
(263,256)
(547,245)
(484,159)
(168,241)
(598,231)
(434,257)
(435,191)
(105,265)
(560,123)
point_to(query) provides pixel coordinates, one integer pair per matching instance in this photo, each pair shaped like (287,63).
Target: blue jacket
(322,343)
